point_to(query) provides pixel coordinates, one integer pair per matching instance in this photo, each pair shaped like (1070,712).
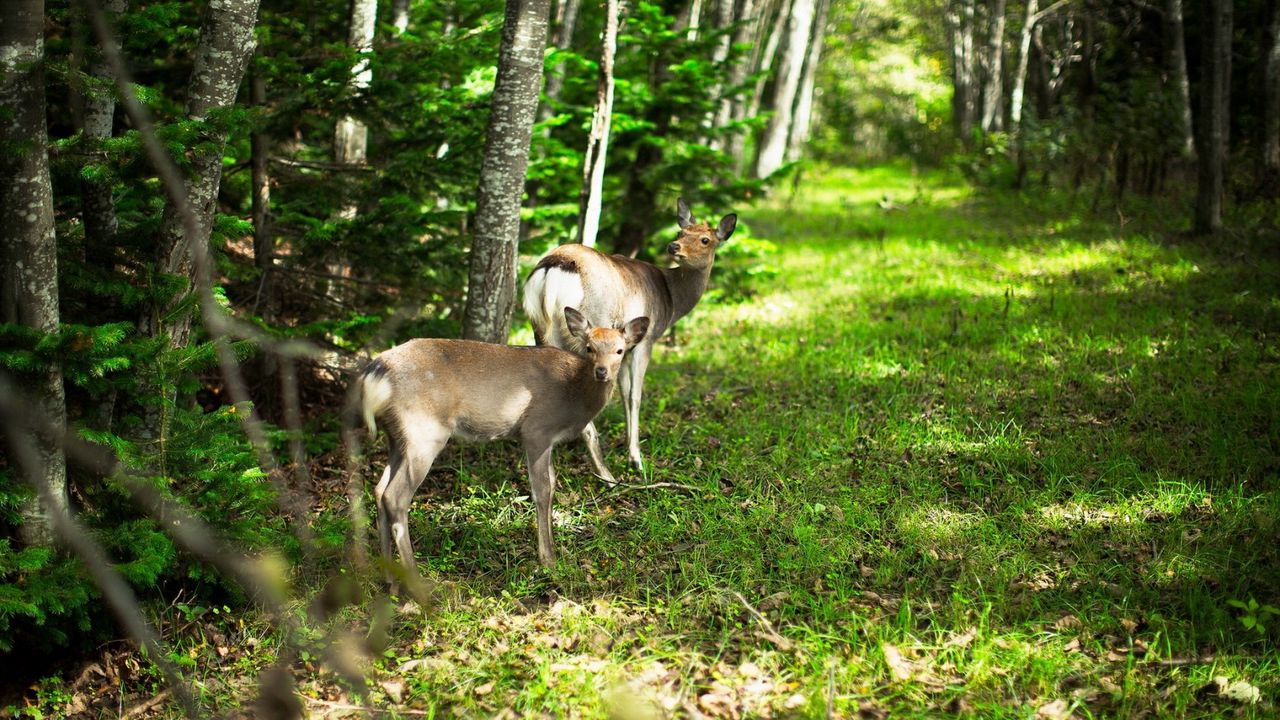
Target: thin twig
(624,488)
(142,707)
(373,710)
(769,632)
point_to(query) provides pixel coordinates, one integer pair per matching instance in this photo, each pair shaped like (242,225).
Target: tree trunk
(1175,54)
(351,136)
(804,98)
(400,16)
(598,141)
(1271,98)
(30,251)
(964,100)
(993,91)
(567,19)
(263,241)
(691,19)
(1214,115)
(96,202)
(492,278)
(1020,76)
(773,142)
(226,44)
(720,116)
(764,46)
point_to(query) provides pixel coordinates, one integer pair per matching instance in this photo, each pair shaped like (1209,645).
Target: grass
(964,454)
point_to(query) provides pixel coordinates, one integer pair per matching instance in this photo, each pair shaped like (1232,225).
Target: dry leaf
(394,690)
(1067,622)
(1240,691)
(964,639)
(900,667)
(1054,710)
(484,689)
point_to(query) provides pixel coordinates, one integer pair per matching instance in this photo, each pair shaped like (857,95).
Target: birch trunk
(720,117)
(773,142)
(960,22)
(400,16)
(226,44)
(763,46)
(566,21)
(1020,75)
(263,241)
(804,99)
(492,278)
(351,136)
(1214,109)
(993,90)
(598,141)
(30,252)
(1175,52)
(97,205)
(1271,98)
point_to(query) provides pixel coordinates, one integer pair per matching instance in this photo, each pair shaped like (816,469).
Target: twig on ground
(768,632)
(146,705)
(365,708)
(624,488)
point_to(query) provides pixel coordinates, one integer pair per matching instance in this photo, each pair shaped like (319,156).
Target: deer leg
(592,438)
(542,480)
(631,395)
(384,523)
(422,444)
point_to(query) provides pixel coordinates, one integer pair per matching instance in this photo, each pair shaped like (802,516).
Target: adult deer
(427,391)
(609,288)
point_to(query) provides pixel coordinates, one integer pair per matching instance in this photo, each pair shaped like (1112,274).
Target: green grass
(966,454)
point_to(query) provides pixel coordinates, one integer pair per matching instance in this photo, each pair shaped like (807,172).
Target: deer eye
(706,240)
(591,351)
(619,352)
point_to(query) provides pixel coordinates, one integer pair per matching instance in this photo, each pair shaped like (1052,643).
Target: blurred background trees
(332,151)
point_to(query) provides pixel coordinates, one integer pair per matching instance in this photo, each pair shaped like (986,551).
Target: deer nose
(673,248)
(602,374)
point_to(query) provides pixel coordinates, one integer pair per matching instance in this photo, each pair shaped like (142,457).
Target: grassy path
(961,456)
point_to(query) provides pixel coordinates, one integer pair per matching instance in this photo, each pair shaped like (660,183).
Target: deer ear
(726,226)
(635,331)
(577,324)
(683,215)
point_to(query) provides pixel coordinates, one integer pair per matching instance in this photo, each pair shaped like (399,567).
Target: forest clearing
(970,407)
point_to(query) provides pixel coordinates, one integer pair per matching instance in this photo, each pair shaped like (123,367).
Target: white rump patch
(377,394)
(547,293)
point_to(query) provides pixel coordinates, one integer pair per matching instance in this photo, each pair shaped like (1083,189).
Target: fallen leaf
(484,689)
(1054,710)
(962,640)
(1240,691)
(899,666)
(1067,622)
(394,690)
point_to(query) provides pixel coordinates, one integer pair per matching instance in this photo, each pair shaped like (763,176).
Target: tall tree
(804,97)
(492,277)
(961,27)
(1020,74)
(592,198)
(263,240)
(993,86)
(724,12)
(350,135)
(30,252)
(773,142)
(1175,66)
(96,201)
(1271,98)
(400,15)
(1214,114)
(226,44)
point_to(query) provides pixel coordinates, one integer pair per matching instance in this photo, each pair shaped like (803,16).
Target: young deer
(609,288)
(427,391)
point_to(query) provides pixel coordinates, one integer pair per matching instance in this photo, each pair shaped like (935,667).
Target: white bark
(1176,69)
(400,16)
(804,98)
(598,140)
(1271,98)
(492,277)
(351,137)
(226,44)
(1215,102)
(1020,76)
(30,252)
(993,90)
(720,117)
(773,142)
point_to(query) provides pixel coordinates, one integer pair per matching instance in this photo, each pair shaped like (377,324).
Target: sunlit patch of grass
(965,455)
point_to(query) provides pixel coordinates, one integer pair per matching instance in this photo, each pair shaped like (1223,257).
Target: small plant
(1253,614)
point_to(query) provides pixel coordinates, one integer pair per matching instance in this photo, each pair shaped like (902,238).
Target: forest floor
(965,454)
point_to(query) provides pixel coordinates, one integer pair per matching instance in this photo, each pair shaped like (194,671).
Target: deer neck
(592,393)
(685,286)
